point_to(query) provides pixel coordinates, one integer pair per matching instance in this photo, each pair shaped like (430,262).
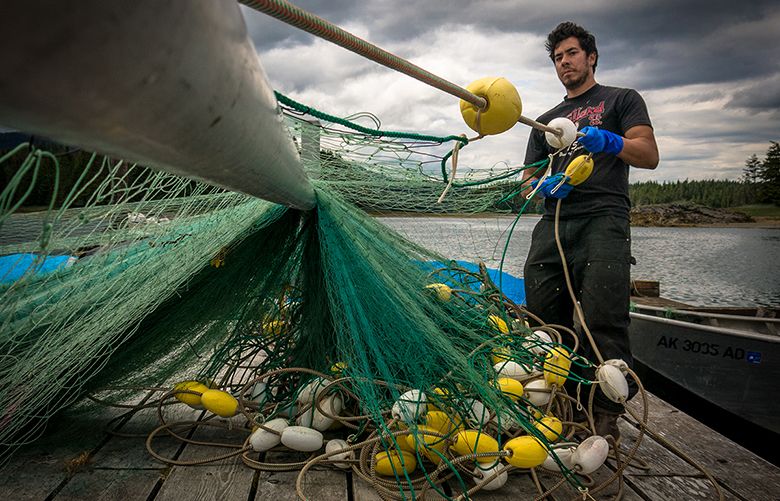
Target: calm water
(700,266)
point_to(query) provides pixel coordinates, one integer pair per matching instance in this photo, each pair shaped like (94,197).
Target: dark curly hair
(568,29)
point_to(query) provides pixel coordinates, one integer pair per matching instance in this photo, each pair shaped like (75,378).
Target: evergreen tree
(770,175)
(752,171)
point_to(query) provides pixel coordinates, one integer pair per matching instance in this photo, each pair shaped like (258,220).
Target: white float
(339,445)
(612,382)
(478,415)
(301,438)
(313,418)
(590,454)
(564,454)
(262,440)
(568,129)
(498,482)
(410,406)
(512,370)
(538,398)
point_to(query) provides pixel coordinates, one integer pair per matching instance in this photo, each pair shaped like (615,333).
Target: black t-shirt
(606,190)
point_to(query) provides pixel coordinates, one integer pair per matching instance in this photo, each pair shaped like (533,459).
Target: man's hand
(550,184)
(597,140)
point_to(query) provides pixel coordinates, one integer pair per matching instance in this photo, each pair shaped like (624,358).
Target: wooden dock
(110,467)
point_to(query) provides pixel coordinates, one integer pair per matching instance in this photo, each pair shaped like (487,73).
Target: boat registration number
(704,348)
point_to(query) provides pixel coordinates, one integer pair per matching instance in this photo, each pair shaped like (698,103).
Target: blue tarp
(511,286)
(15,266)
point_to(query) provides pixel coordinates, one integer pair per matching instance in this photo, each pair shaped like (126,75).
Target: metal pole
(176,85)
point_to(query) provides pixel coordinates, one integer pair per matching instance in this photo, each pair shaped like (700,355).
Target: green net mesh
(125,278)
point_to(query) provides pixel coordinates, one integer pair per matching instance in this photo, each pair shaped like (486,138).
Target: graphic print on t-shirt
(592,113)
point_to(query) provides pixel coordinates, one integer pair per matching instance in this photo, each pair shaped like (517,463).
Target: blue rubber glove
(550,183)
(598,140)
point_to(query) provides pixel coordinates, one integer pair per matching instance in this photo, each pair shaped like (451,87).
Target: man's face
(572,64)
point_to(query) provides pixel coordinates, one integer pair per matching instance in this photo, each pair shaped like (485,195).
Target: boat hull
(735,370)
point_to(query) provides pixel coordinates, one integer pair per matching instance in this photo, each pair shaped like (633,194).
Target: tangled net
(453,439)
(295,330)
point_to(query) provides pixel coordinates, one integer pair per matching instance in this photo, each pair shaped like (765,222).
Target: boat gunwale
(707,328)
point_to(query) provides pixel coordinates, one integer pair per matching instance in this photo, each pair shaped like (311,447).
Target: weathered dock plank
(44,467)
(320,484)
(130,451)
(224,480)
(743,474)
(109,485)
(113,467)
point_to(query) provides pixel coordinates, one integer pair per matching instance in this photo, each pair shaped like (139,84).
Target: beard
(575,81)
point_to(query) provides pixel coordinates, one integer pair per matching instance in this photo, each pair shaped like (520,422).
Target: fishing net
(128,278)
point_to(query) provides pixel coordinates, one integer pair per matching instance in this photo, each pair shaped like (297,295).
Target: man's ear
(592,59)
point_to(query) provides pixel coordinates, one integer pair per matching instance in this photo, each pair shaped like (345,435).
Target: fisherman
(594,216)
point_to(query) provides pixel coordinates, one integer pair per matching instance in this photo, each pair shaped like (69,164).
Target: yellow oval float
(473,441)
(389,464)
(557,365)
(503,109)
(220,403)
(527,452)
(551,427)
(190,399)
(579,169)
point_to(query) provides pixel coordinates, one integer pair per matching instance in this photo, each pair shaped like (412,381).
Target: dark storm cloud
(758,96)
(666,43)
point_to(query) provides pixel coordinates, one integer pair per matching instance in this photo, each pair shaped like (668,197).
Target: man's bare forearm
(640,148)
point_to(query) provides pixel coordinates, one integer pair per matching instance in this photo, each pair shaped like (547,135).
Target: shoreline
(769,223)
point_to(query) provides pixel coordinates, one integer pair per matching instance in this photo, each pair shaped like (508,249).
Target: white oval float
(497,483)
(261,440)
(312,390)
(410,406)
(612,382)
(301,438)
(590,454)
(339,445)
(511,369)
(564,455)
(478,415)
(313,418)
(538,398)
(539,342)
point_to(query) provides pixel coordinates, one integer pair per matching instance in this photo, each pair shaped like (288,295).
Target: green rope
(365,130)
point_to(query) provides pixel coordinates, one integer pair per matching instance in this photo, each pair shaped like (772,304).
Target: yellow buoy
(551,427)
(443,291)
(473,441)
(527,452)
(190,399)
(428,445)
(439,394)
(272,328)
(500,354)
(498,323)
(510,387)
(388,463)
(338,367)
(504,106)
(557,365)
(439,421)
(219,402)
(579,169)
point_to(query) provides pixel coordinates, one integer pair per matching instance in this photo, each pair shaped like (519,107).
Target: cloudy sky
(708,70)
